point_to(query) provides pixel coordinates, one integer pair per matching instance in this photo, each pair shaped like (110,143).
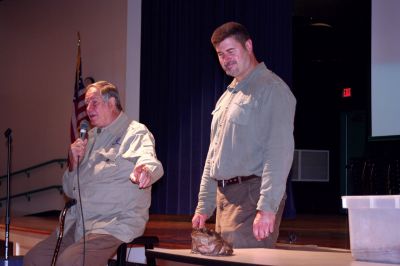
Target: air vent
(310,166)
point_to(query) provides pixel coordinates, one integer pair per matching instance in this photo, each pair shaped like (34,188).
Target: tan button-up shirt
(251,134)
(111,203)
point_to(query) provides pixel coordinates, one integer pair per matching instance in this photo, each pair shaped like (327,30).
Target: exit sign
(346,92)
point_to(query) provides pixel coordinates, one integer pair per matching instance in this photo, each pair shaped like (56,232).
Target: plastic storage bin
(374,223)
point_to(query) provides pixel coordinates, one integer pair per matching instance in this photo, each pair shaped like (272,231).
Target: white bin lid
(375,201)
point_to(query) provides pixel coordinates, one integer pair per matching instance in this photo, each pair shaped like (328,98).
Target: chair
(147,241)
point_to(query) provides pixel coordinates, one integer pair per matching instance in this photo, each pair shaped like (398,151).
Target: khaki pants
(236,210)
(99,248)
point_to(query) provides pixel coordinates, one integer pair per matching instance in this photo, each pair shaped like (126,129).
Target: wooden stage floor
(174,230)
(314,230)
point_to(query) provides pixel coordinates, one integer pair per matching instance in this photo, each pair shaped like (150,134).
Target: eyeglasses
(93,101)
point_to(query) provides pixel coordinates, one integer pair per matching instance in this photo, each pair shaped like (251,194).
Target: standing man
(251,146)
(117,165)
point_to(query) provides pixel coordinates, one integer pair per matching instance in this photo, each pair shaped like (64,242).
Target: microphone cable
(83,220)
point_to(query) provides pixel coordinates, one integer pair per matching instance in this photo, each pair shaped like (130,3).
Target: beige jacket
(111,203)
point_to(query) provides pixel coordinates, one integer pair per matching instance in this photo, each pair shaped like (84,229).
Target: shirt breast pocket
(106,161)
(240,112)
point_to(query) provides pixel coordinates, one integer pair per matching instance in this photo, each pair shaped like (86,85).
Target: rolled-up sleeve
(208,191)
(139,148)
(278,145)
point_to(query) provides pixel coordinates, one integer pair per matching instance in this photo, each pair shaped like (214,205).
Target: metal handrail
(29,193)
(27,170)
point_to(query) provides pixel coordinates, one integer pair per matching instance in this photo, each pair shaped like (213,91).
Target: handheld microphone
(83,129)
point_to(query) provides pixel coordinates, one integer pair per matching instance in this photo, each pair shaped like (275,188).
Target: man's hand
(77,149)
(141,176)
(263,224)
(199,220)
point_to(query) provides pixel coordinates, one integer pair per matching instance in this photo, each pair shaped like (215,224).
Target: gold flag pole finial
(79,39)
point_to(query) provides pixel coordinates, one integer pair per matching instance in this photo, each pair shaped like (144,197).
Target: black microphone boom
(7,133)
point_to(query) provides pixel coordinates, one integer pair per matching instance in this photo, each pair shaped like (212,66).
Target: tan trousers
(236,210)
(99,248)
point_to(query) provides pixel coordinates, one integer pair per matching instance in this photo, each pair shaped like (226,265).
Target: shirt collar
(235,86)
(115,125)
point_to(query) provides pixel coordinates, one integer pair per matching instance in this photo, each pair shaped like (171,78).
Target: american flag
(79,108)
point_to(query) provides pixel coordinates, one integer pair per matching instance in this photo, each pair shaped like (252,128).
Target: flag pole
(78,59)
(79,109)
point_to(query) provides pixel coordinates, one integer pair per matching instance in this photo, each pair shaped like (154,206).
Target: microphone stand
(7,260)
(7,134)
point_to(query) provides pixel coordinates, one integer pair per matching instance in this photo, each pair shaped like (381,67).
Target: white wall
(133,58)
(38,50)
(37,65)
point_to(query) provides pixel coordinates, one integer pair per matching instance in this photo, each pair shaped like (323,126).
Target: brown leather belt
(235,180)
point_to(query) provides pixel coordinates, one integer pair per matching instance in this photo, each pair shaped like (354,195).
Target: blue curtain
(181,80)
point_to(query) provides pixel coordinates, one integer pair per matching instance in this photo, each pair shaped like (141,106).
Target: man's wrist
(263,212)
